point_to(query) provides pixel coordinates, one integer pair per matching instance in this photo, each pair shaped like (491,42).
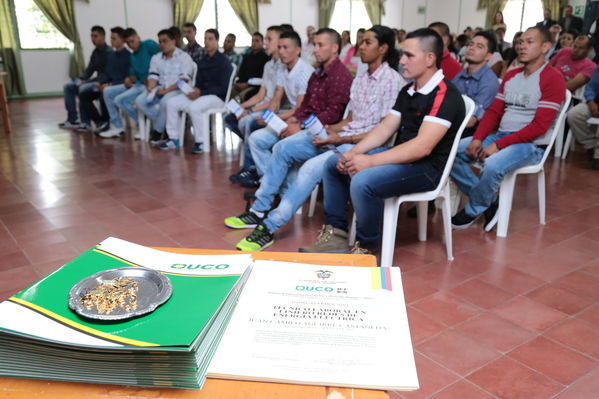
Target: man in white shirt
(166,68)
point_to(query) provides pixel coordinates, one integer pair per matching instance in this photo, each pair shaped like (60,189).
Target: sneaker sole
(258,250)
(462,226)
(337,251)
(241,226)
(492,223)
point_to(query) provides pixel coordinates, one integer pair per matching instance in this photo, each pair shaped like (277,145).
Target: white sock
(259,214)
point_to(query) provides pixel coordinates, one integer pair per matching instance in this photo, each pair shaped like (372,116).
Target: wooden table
(4,104)
(17,388)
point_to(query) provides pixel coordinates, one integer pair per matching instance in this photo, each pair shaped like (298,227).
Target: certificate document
(319,325)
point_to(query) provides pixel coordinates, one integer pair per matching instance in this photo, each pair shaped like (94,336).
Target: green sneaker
(247,220)
(260,239)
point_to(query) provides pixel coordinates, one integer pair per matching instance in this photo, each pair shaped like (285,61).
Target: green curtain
(61,14)
(9,52)
(375,9)
(555,7)
(247,11)
(325,12)
(186,11)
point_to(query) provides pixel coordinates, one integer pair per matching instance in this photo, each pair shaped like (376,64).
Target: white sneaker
(110,133)
(136,135)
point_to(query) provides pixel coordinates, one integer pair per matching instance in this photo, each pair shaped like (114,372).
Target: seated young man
(372,95)
(578,116)
(292,84)
(166,68)
(212,82)
(574,64)
(123,95)
(528,101)
(246,123)
(252,66)
(193,48)
(426,116)
(229,50)
(117,67)
(84,82)
(449,65)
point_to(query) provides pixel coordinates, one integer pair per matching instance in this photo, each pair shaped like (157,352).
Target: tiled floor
(508,318)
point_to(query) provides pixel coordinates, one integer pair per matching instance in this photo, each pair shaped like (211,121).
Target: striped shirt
(168,70)
(371,98)
(295,82)
(525,106)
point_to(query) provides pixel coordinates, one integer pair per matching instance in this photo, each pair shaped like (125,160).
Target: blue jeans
(482,191)
(110,93)
(367,189)
(261,142)
(156,109)
(295,149)
(70,99)
(126,100)
(243,128)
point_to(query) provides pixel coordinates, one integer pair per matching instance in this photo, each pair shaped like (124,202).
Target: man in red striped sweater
(510,133)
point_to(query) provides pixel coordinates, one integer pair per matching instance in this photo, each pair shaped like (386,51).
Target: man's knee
(70,88)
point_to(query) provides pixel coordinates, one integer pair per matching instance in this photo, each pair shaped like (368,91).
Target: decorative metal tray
(121,293)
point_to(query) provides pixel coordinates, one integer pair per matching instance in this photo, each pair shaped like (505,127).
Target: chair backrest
(231,80)
(579,93)
(456,141)
(549,137)
(194,73)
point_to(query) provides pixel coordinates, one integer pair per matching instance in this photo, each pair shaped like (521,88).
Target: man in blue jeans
(123,96)
(426,116)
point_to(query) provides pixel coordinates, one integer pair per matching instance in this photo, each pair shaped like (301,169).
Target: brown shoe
(330,240)
(358,250)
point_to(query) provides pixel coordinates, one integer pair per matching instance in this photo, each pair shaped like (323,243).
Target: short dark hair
(259,35)
(293,36)
(214,32)
(491,40)
(430,41)
(361,30)
(287,27)
(120,32)
(232,35)
(568,6)
(571,31)
(190,25)
(99,29)
(276,28)
(129,32)
(332,34)
(588,38)
(168,33)
(544,32)
(442,26)
(176,31)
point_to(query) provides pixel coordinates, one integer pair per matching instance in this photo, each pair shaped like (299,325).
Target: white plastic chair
(391,207)
(559,140)
(506,190)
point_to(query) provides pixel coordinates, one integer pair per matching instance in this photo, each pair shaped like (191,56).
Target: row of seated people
(145,77)
(424,114)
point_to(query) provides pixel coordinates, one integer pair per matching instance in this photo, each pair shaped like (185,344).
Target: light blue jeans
(261,142)
(156,109)
(286,153)
(482,191)
(109,94)
(126,100)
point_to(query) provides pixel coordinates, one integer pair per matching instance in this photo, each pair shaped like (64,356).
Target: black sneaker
(595,164)
(197,148)
(156,138)
(239,176)
(258,240)
(252,181)
(413,211)
(461,220)
(491,216)
(68,125)
(246,220)
(102,127)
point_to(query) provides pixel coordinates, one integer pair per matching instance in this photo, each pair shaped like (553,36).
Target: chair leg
(446,212)
(559,141)
(313,198)
(422,211)
(182,122)
(391,211)
(506,193)
(569,143)
(141,124)
(206,132)
(241,153)
(352,230)
(541,188)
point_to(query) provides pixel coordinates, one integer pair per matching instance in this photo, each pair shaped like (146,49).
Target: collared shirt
(438,101)
(140,60)
(234,58)
(252,66)
(269,78)
(195,51)
(295,82)
(213,75)
(327,94)
(481,87)
(371,98)
(97,63)
(449,65)
(168,70)
(117,67)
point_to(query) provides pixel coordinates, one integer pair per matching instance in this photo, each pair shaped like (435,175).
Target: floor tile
(481,294)
(446,308)
(586,387)
(496,332)
(580,284)
(421,326)
(511,280)
(578,335)
(560,299)
(462,389)
(431,376)
(590,315)
(528,314)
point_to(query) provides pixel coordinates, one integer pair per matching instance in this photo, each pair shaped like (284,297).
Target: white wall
(46,71)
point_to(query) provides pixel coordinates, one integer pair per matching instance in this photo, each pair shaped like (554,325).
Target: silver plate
(154,289)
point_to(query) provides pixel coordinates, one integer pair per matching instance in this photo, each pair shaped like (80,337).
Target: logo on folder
(323,274)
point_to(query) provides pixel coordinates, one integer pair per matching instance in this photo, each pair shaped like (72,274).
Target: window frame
(15,20)
(222,33)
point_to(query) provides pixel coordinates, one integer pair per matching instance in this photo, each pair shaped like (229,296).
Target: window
(220,15)
(520,15)
(350,15)
(35,30)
